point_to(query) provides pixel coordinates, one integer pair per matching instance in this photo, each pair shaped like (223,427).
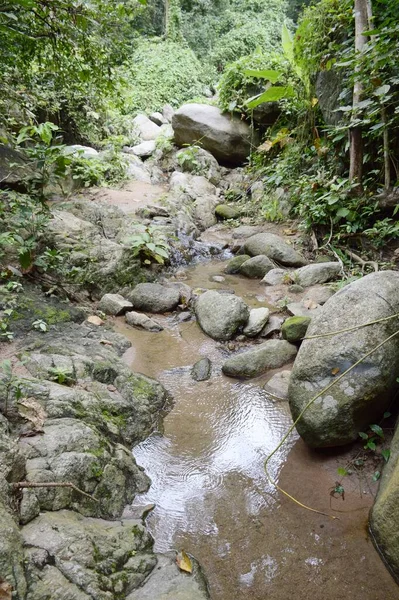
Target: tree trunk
(356,138)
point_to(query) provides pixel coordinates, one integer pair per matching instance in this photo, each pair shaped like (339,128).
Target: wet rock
(221,315)
(316,273)
(272,326)
(114,304)
(384,521)
(184,316)
(142,321)
(224,211)
(278,385)
(233,266)
(294,328)
(275,248)
(145,129)
(167,582)
(258,318)
(319,294)
(203,163)
(275,277)
(202,370)
(256,267)
(363,395)
(144,149)
(228,139)
(154,298)
(218,278)
(76,552)
(269,355)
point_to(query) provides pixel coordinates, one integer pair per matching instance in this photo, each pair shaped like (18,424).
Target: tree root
(360,260)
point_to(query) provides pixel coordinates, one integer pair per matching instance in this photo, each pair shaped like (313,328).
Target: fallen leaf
(5,590)
(289,232)
(94,320)
(310,304)
(32,411)
(335,371)
(184,562)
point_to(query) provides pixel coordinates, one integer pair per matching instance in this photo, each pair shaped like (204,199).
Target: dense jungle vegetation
(74,71)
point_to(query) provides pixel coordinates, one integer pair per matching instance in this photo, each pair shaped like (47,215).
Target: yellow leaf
(95,320)
(314,102)
(184,562)
(289,232)
(266,146)
(335,371)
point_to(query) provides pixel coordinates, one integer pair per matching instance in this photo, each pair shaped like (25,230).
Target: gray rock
(246,231)
(275,248)
(384,521)
(218,278)
(144,149)
(298,309)
(81,151)
(272,326)
(158,118)
(257,191)
(203,163)
(202,370)
(295,288)
(154,298)
(329,87)
(167,582)
(69,554)
(12,566)
(269,355)
(168,112)
(275,277)
(233,266)
(20,169)
(316,273)
(278,385)
(220,315)
(142,321)
(363,395)
(145,129)
(319,294)
(256,267)
(184,316)
(228,139)
(258,318)
(114,304)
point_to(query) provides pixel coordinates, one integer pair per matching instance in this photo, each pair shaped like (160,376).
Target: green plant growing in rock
(10,386)
(61,375)
(40,325)
(5,331)
(188,159)
(150,245)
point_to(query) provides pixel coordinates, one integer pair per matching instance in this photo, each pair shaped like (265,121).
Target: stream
(209,486)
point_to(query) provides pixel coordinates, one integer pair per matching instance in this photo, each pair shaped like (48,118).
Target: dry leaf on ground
(184,562)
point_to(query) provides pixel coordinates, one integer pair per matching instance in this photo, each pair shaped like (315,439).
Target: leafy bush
(235,86)
(150,245)
(160,72)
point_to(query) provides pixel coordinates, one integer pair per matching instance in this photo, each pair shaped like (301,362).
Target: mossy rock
(294,328)
(233,266)
(224,211)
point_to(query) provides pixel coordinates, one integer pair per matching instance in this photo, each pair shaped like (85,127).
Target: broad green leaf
(363,435)
(386,454)
(376,476)
(342,471)
(288,44)
(382,90)
(387,414)
(273,94)
(270,75)
(377,430)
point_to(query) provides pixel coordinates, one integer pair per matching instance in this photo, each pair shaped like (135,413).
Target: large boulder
(272,354)
(228,138)
(362,396)
(145,129)
(256,267)
(221,315)
(198,161)
(154,297)
(384,521)
(316,273)
(275,248)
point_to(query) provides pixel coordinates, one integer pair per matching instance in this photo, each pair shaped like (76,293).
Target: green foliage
(108,169)
(40,325)
(242,79)
(160,72)
(150,245)
(188,160)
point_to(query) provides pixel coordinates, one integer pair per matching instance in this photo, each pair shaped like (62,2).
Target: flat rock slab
(300,309)
(221,315)
(316,273)
(273,354)
(272,326)
(202,370)
(154,297)
(140,320)
(114,304)
(275,248)
(167,582)
(363,395)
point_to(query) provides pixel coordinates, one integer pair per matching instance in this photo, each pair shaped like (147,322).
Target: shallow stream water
(209,486)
